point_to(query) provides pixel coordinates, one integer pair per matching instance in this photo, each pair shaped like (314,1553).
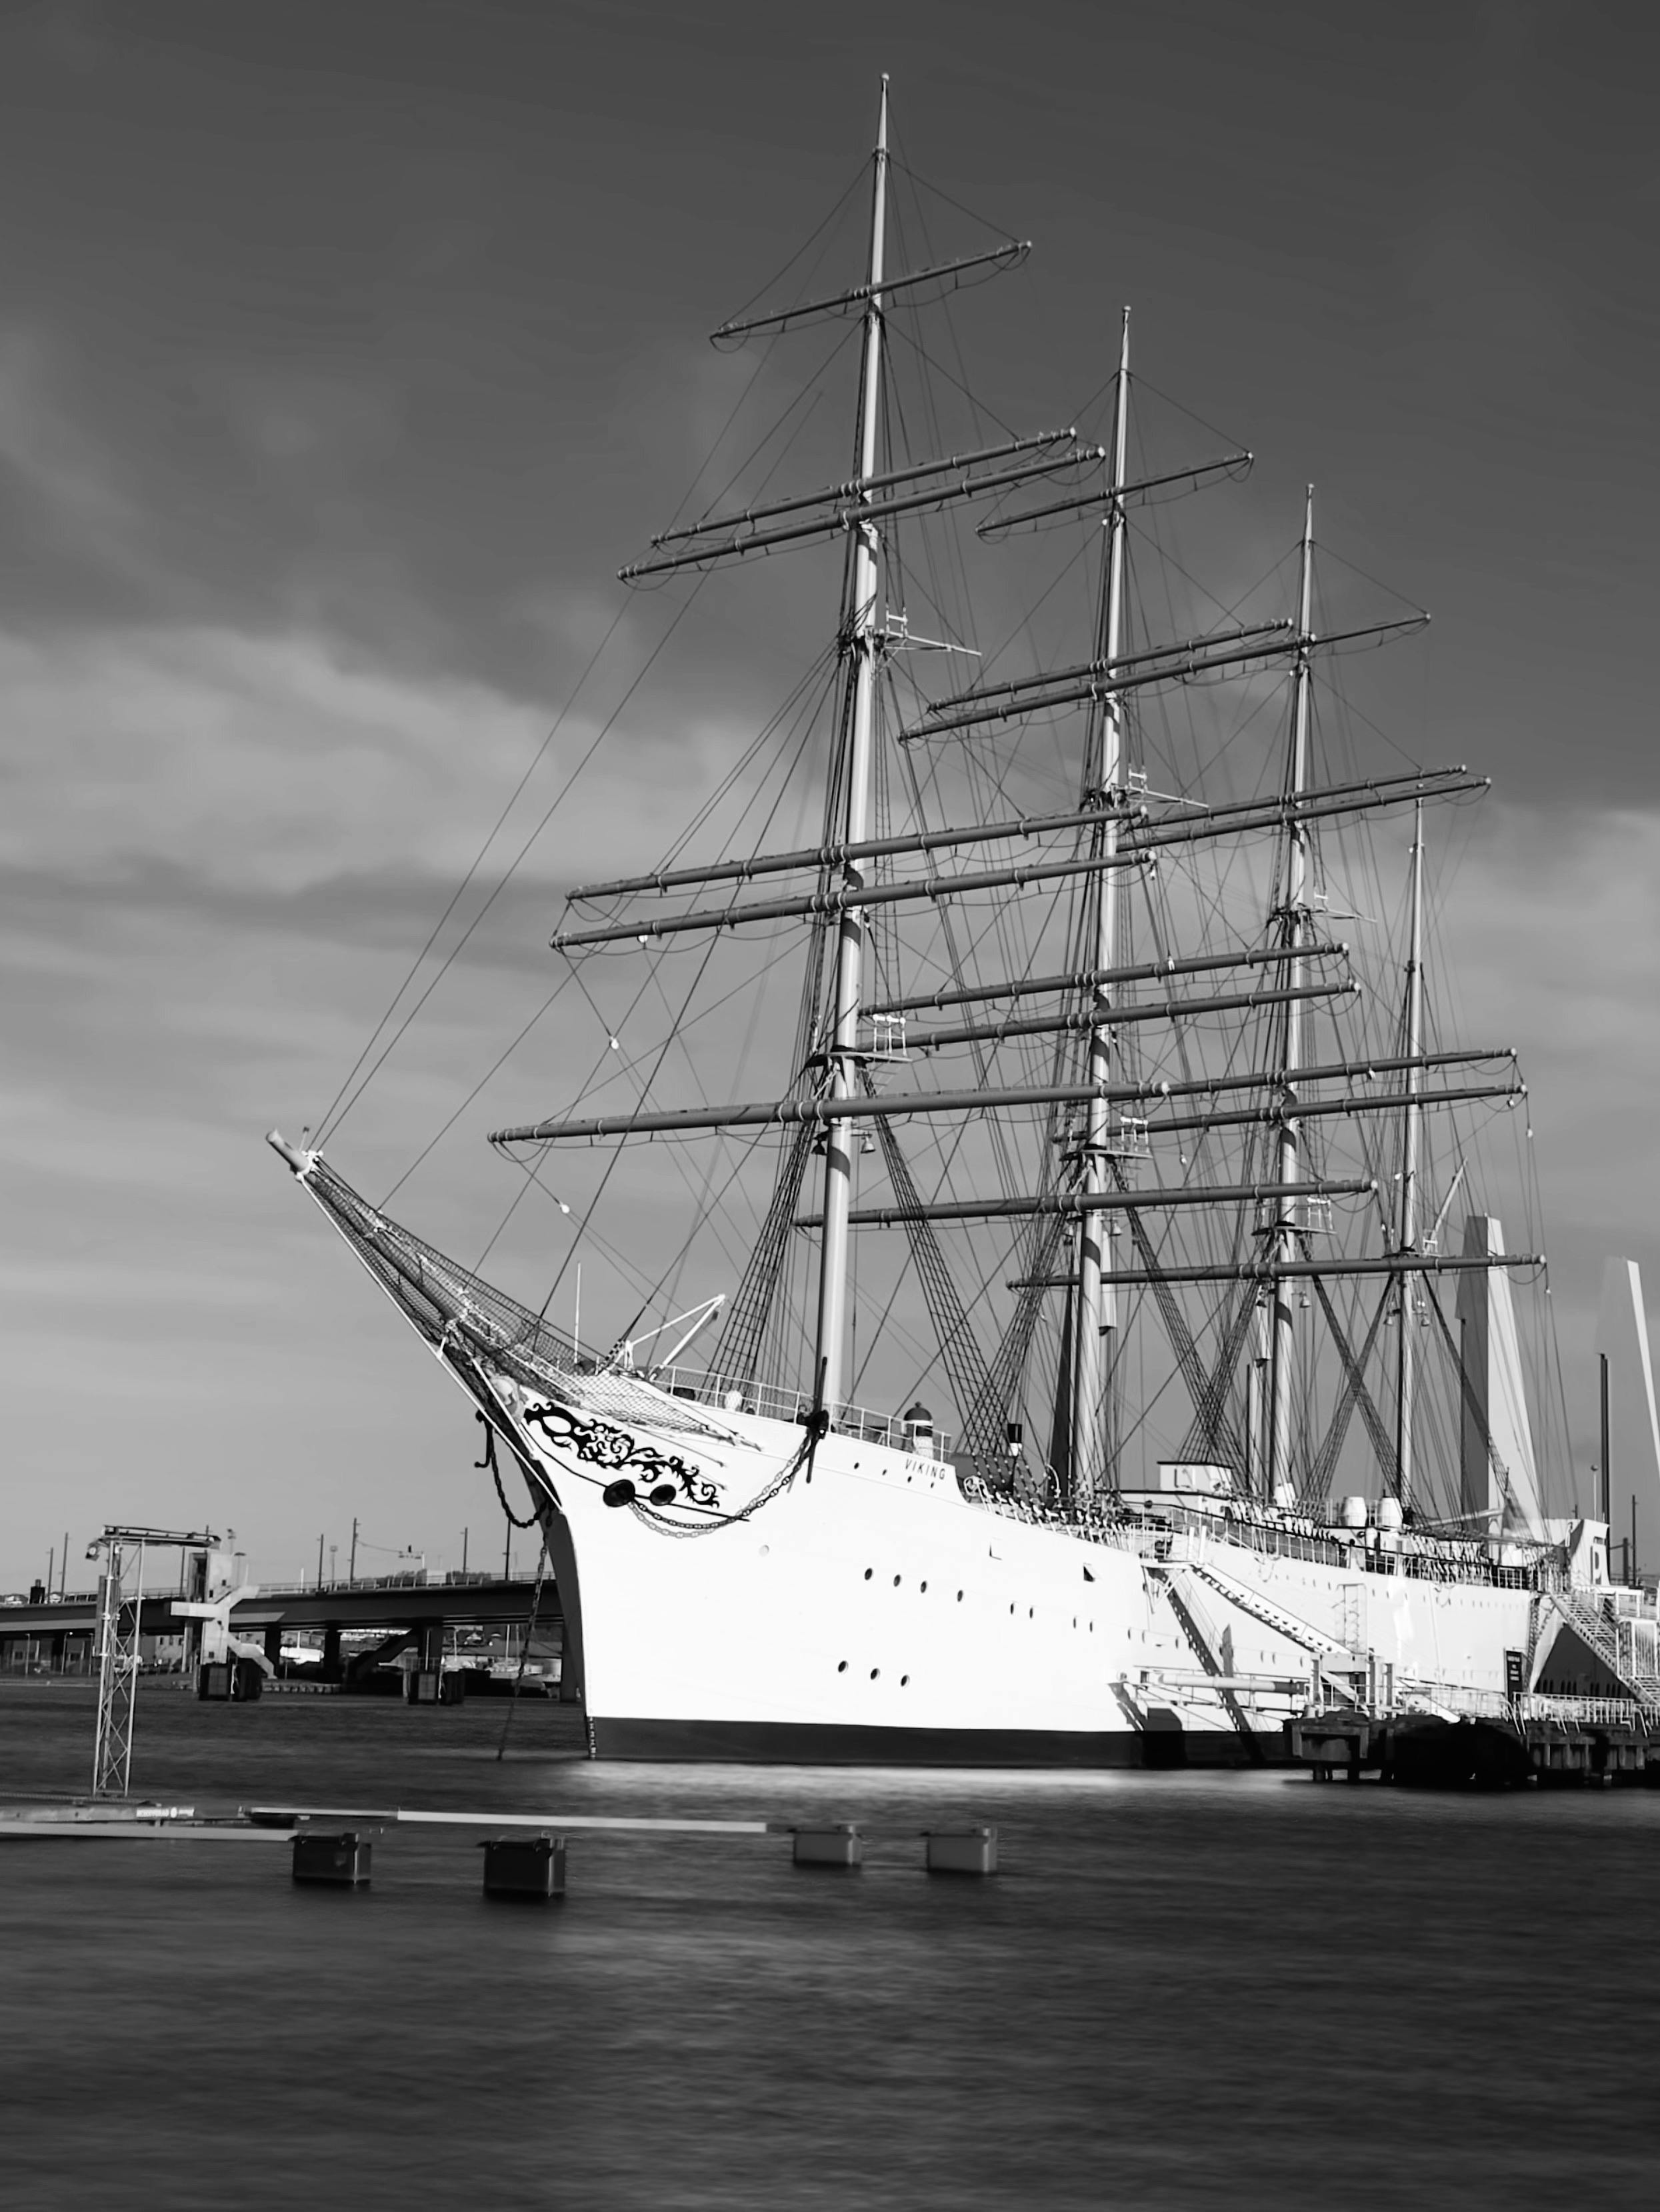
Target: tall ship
(1038,1017)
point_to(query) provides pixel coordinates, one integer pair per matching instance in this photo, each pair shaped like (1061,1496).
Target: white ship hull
(868,1612)
(871,1613)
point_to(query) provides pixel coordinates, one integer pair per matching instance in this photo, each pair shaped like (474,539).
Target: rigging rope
(959,1348)
(1471,1399)
(1203,1387)
(989,1450)
(1212,1434)
(738,1350)
(1354,1391)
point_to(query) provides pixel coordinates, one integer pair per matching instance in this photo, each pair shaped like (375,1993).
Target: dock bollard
(525,1867)
(839,1845)
(961,1850)
(341,1860)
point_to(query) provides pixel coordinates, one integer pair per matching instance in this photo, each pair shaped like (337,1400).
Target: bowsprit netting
(449,1304)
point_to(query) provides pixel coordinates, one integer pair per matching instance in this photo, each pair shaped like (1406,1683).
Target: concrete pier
(1556,1742)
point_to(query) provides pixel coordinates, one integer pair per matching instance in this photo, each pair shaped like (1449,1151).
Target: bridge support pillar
(331,1668)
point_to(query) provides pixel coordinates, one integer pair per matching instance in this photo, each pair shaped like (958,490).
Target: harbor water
(1182,1990)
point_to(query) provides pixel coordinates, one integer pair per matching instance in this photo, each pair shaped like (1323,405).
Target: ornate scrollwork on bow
(603,1446)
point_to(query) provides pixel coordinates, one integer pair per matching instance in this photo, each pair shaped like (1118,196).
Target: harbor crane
(120,1607)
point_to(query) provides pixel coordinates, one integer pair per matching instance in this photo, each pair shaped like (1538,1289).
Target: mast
(830,1364)
(1096,1307)
(1293,918)
(1405,1378)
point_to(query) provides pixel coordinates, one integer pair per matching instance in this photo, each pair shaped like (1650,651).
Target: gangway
(1294,1629)
(1332,1657)
(1197,1630)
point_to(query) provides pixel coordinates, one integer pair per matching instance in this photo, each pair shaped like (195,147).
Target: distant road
(337,1605)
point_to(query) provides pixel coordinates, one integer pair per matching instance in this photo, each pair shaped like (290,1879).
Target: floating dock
(93,1822)
(525,1852)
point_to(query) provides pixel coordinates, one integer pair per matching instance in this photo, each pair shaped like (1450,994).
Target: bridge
(58,1635)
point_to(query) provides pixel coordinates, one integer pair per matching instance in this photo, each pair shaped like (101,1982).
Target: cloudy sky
(345,351)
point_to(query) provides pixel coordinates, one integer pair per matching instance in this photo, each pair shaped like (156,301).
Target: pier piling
(960,1851)
(525,1867)
(342,1861)
(838,1846)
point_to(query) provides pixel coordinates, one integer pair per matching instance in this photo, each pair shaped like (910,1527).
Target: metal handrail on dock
(1586,1712)
(406,1816)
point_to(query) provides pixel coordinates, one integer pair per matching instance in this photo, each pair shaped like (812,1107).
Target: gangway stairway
(1198,1630)
(1314,1641)
(1599,1630)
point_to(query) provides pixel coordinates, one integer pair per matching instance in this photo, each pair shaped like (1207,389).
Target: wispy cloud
(278,763)
(331,390)
(53,463)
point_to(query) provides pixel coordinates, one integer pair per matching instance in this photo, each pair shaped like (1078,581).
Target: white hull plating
(869,1595)
(869,1610)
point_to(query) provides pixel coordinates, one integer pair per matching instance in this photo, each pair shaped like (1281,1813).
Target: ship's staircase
(1288,1625)
(1201,1635)
(1622,1654)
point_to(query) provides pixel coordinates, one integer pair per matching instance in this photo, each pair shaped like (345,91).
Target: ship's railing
(1472,1704)
(1186,1545)
(1389,1556)
(1424,1566)
(1587,1712)
(1095,1524)
(1461,1698)
(1289,1544)
(730,1395)
(1179,1536)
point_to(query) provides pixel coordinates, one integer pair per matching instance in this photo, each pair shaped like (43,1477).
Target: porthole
(1010,1612)
(874,1671)
(869,1572)
(841,1668)
(960,1597)
(896,1582)
(924,1585)
(904,1679)
(1030,1615)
